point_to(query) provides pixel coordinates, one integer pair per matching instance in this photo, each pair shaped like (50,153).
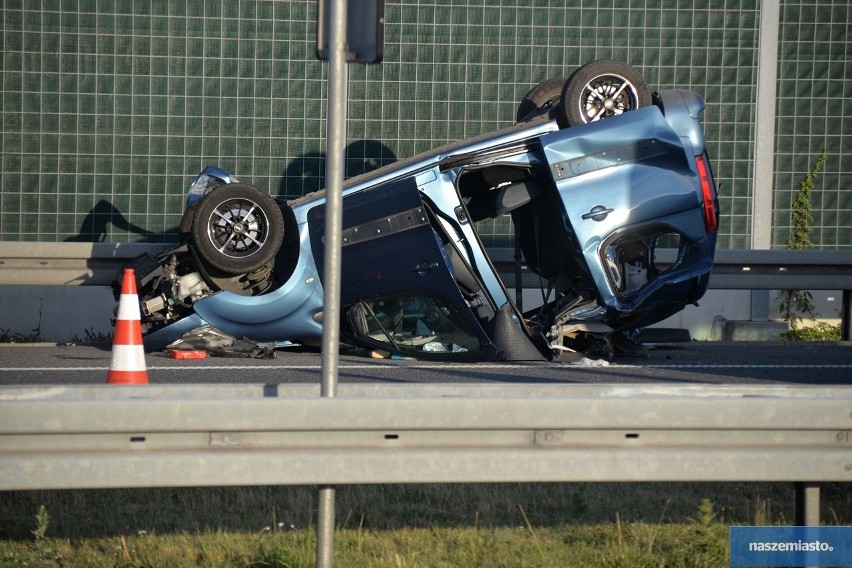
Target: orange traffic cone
(127,362)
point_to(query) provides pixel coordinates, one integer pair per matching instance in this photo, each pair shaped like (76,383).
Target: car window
(415,324)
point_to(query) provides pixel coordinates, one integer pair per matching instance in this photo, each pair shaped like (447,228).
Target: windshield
(414,323)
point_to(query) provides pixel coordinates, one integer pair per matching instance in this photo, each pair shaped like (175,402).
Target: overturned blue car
(598,176)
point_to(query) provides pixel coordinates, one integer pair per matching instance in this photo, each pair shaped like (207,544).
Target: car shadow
(96,224)
(306,174)
(302,175)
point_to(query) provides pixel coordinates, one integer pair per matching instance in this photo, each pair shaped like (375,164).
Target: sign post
(339,45)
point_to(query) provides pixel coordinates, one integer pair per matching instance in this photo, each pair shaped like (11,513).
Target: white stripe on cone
(128,307)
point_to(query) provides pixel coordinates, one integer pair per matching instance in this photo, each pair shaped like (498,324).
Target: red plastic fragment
(189,354)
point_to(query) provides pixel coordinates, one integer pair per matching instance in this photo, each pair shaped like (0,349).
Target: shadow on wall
(303,175)
(307,174)
(95,227)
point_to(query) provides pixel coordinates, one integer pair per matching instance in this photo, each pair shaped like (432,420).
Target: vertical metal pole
(764,143)
(806,511)
(764,127)
(846,316)
(334,172)
(325,527)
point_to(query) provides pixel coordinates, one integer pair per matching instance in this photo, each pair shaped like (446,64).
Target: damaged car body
(591,205)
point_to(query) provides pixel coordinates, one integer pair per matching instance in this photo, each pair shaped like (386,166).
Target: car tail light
(711,215)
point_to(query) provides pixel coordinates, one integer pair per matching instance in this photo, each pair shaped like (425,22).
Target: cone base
(127,377)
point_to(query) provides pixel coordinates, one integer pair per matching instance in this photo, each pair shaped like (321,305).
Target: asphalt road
(682,363)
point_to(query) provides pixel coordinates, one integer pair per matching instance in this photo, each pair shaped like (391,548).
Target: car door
(615,173)
(397,289)
(621,178)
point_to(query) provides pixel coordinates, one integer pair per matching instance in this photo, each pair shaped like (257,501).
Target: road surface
(770,363)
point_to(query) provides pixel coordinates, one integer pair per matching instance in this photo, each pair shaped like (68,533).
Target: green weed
(797,303)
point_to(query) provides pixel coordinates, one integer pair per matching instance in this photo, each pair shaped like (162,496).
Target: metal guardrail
(749,270)
(744,269)
(58,264)
(103,436)
(96,264)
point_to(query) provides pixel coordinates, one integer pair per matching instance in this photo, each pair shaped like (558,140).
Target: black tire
(186,222)
(237,228)
(602,89)
(185,226)
(540,99)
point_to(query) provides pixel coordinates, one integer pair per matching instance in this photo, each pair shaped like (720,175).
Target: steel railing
(102,436)
(96,264)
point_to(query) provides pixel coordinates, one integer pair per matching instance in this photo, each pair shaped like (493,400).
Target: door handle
(597,213)
(425,268)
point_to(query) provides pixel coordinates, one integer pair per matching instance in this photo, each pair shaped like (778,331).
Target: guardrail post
(325,526)
(759,305)
(806,512)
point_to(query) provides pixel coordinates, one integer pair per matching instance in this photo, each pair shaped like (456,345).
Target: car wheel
(601,89)
(237,228)
(540,98)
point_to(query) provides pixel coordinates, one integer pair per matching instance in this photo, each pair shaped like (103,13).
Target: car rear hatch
(642,177)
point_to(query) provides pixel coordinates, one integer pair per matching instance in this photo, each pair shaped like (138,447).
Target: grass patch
(633,545)
(819,331)
(491,525)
